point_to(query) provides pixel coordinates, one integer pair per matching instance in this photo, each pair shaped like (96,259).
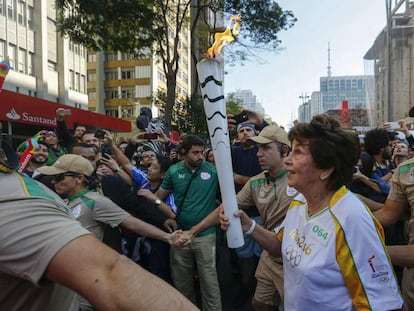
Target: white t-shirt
(336,259)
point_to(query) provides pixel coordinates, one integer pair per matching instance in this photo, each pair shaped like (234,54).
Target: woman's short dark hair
(191,140)
(330,146)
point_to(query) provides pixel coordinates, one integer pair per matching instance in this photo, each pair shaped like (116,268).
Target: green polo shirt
(201,197)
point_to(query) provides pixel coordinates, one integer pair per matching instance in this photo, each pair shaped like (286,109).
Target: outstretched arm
(141,227)
(212,219)
(109,280)
(267,239)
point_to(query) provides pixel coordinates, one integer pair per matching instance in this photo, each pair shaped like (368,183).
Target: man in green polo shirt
(194,183)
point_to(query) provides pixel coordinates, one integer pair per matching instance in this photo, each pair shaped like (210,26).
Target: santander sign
(30,118)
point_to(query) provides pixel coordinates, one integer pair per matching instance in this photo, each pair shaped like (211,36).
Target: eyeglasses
(60,177)
(50,133)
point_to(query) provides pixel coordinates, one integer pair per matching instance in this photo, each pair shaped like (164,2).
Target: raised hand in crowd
(61,113)
(252,118)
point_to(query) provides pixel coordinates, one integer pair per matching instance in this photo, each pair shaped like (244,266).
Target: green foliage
(193,120)
(233,105)
(109,25)
(142,26)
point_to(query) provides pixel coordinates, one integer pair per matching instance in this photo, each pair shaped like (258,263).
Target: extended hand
(188,236)
(176,239)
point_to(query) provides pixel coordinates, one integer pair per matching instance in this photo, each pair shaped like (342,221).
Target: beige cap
(68,163)
(271,134)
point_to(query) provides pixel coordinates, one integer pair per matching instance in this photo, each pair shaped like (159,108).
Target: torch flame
(223,38)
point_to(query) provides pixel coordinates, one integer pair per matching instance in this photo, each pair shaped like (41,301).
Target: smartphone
(149,136)
(67,112)
(394,125)
(100,134)
(241,117)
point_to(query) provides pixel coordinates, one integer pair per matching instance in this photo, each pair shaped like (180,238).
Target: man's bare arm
(387,213)
(212,219)
(110,281)
(401,255)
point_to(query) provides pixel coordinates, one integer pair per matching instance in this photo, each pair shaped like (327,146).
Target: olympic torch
(211,75)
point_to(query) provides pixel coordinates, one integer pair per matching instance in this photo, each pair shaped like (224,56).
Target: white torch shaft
(211,76)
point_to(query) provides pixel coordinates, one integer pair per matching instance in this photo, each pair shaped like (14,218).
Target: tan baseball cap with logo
(271,134)
(68,163)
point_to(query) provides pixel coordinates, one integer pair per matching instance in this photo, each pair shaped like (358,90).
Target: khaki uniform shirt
(94,211)
(271,198)
(35,224)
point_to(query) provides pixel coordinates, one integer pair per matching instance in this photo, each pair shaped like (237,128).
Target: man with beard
(38,160)
(376,174)
(376,168)
(194,183)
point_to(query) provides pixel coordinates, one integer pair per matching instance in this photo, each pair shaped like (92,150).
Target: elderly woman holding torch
(332,248)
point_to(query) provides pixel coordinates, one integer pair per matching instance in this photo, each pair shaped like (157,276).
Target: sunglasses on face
(48,134)
(60,177)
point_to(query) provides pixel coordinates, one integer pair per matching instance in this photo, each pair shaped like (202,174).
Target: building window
(110,56)
(128,92)
(91,76)
(111,75)
(82,84)
(22,61)
(20,14)
(91,57)
(128,73)
(77,80)
(10,9)
(30,70)
(70,79)
(2,45)
(2,7)
(92,96)
(111,93)
(11,53)
(112,113)
(30,16)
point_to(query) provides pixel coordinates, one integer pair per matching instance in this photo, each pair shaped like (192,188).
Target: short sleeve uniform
(402,191)
(35,224)
(94,211)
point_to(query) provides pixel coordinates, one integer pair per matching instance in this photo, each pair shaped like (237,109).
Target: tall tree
(135,26)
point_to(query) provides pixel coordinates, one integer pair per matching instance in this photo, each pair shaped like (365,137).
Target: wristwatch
(157,201)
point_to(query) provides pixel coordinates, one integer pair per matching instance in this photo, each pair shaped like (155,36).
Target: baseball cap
(68,163)
(241,125)
(271,134)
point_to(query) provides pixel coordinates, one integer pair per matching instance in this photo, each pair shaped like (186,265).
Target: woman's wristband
(252,227)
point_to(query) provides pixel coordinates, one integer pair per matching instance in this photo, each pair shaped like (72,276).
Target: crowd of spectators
(157,201)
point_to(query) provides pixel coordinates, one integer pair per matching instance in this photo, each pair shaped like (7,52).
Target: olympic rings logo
(292,256)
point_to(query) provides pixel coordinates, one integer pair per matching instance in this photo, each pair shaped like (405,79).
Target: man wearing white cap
(41,246)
